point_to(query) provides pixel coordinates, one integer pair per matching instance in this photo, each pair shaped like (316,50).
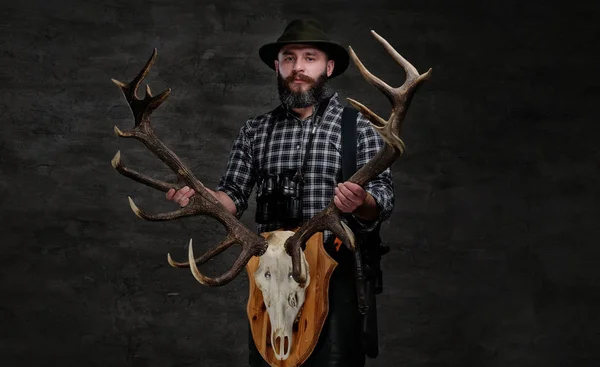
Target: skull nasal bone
(282,345)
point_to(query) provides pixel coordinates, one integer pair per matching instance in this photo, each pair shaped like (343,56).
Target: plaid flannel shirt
(286,149)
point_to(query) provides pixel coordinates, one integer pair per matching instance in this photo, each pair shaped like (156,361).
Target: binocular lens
(279,200)
(266,211)
(289,187)
(293,210)
(269,186)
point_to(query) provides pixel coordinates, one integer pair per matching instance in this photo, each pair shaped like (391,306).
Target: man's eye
(310,58)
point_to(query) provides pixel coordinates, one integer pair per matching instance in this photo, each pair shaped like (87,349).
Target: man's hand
(349,196)
(352,198)
(181,196)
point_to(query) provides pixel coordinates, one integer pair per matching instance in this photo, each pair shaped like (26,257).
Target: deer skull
(283,297)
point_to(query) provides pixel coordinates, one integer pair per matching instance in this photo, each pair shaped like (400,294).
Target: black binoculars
(279,198)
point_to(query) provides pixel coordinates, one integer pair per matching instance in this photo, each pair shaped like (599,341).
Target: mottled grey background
(495,231)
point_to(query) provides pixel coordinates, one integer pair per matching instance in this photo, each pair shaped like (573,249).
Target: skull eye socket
(268,274)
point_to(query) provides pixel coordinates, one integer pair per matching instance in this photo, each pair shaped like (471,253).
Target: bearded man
(291,142)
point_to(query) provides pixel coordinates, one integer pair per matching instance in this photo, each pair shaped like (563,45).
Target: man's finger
(170,194)
(189,194)
(354,188)
(345,204)
(340,194)
(346,192)
(180,193)
(341,206)
(351,196)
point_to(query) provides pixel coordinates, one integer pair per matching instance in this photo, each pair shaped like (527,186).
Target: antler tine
(203,203)
(186,211)
(400,98)
(224,245)
(370,115)
(371,78)
(225,278)
(130,90)
(413,78)
(411,71)
(136,176)
(329,218)
(143,73)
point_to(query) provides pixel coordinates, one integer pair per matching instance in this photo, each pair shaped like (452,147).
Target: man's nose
(298,66)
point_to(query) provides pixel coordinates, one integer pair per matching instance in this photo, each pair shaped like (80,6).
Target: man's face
(302,73)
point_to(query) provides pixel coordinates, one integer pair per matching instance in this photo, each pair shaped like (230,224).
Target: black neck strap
(349,116)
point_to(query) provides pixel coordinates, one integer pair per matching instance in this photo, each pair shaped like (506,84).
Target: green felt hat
(310,32)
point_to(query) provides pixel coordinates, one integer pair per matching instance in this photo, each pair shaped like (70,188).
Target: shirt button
(298,146)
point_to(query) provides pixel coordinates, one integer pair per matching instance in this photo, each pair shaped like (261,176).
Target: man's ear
(276,66)
(330,66)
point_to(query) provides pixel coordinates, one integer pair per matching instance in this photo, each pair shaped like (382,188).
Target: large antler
(390,130)
(202,203)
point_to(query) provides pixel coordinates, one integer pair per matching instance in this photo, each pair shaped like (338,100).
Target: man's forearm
(368,211)
(224,199)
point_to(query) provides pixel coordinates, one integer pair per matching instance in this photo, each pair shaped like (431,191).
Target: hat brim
(268,53)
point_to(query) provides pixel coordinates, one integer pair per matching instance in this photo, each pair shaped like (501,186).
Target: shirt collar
(283,112)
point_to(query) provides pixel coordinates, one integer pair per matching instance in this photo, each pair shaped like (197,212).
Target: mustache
(302,77)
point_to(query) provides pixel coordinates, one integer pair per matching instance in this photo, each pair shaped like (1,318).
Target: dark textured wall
(495,231)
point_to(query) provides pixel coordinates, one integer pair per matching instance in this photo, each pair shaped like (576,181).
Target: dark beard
(312,96)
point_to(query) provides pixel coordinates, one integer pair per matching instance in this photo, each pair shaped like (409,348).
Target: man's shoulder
(333,112)
(364,127)
(254,122)
(362,122)
(336,109)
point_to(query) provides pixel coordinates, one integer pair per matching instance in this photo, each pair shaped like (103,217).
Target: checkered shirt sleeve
(369,142)
(239,177)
